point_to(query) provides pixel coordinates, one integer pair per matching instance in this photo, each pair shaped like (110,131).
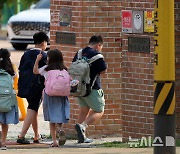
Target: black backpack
(29,84)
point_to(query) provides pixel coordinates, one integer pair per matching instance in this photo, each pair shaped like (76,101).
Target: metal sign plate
(65,38)
(65,16)
(139,44)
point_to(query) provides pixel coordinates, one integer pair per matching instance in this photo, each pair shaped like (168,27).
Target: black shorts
(33,103)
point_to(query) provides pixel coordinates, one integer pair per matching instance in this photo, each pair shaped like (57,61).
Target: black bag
(29,84)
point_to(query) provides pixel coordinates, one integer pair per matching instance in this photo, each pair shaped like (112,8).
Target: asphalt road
(15,54)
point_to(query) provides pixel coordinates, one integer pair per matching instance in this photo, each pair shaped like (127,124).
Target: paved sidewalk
(71,146)
(79,151)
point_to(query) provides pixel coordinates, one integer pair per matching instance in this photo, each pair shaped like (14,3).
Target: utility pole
(164,78)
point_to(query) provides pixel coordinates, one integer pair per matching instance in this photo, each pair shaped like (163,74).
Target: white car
(22,26)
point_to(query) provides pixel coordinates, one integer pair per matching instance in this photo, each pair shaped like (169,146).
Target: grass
(114,144)
(177,142)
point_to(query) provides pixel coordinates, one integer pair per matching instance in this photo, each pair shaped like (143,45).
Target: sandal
(35,141)
(22,140)
(53,146)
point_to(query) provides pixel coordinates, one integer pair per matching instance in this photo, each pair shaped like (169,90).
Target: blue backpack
(7,94)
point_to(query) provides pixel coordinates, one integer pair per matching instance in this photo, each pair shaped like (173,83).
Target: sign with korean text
(126,21)
(149,21)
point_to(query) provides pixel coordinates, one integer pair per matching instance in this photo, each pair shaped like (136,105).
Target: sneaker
(22,140)
(62,138)
(88,140)
(3,148)
(80,133)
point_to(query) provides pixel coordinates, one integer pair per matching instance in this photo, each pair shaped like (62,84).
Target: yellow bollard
(164,78)
(21,101)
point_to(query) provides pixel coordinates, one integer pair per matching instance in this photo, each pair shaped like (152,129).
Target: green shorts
(95,100)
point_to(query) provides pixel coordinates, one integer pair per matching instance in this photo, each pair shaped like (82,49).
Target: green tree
(25,4)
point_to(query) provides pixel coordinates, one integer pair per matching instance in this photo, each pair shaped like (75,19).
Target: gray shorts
(95,100)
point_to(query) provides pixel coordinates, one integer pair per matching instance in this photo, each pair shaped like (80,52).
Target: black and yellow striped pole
(164,78)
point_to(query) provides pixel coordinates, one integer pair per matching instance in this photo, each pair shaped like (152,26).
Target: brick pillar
(101,18)
(137,82)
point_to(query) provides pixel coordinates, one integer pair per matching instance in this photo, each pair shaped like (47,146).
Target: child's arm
(36,68)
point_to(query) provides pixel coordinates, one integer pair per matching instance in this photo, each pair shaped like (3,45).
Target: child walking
(12,116)
(56,109)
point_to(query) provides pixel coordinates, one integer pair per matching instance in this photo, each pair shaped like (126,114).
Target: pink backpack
(57,83)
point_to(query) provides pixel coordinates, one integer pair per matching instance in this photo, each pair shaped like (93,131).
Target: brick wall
(177,52)
(101,18)
(128,83)
(137,82)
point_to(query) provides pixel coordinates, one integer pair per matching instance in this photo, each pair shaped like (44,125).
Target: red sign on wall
(126,21)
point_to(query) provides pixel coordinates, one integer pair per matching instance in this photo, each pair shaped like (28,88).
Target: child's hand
(39,56)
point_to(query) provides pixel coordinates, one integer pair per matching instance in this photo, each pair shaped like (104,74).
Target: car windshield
(43,4)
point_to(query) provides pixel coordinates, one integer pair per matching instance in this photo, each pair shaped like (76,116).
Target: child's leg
(53,133)
(35,126)
(61,134)
(4,134)
(30,116)
(58,127)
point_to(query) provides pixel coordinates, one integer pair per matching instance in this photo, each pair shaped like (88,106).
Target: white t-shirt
(42,71)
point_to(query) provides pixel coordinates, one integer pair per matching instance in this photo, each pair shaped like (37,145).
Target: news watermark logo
(149,142)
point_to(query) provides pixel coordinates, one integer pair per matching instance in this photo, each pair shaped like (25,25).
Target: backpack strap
(94,58)
(2,71)
(79,56)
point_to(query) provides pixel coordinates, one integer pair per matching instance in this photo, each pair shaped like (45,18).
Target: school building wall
(128,83)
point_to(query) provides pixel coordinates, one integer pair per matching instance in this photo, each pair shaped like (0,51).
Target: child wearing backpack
(91,104)
(9,112)
(56,107)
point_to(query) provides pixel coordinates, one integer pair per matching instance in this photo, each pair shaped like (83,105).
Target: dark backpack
(29,84)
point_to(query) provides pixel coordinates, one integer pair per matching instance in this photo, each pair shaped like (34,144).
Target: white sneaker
(3,148)
(80,133)
(88,140)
